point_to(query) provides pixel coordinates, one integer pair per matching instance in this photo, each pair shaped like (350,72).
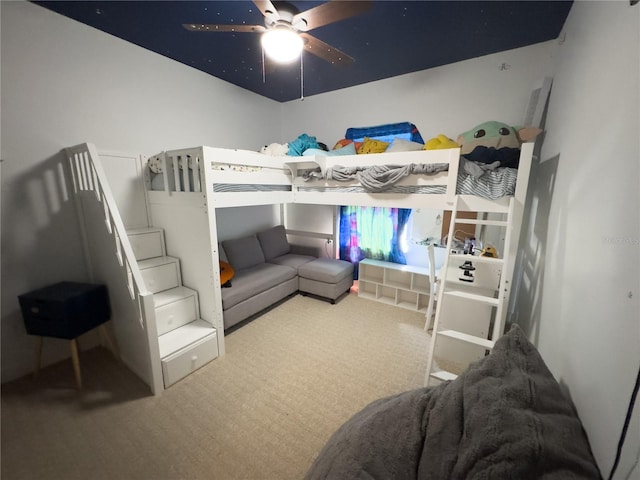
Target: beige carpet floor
(289,379)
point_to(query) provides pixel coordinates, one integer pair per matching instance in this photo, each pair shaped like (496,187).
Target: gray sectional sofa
(267,271)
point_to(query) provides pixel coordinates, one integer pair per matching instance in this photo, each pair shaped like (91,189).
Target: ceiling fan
(284,34)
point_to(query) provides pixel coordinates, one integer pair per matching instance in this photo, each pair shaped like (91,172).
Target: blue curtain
(372,232)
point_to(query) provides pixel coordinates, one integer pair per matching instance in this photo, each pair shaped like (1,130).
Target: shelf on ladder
(477,258)
(476,221)
(483,342)
(475,297)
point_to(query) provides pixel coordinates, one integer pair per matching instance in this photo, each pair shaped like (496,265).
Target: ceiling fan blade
(325,51)
(332,11)
(267,8)
(208,27)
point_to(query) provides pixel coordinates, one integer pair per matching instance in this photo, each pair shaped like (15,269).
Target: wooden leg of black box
(75,359)
(76,362)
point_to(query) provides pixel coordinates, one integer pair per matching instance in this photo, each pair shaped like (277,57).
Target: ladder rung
(443,375)
(473,296)
(483,342)
(475,221)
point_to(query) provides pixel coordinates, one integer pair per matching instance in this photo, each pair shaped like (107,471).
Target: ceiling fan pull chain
(301,78)
(264,78)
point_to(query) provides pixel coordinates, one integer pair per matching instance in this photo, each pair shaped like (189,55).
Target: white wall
(236,222)
(581,284)
(64,83)
(450,99)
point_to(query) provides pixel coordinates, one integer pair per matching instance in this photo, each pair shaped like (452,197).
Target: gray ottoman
(325,277)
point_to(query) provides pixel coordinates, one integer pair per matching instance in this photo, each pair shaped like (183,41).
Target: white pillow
(349,149)
(401,145)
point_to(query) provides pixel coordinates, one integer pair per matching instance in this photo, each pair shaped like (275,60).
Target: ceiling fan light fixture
(282,44)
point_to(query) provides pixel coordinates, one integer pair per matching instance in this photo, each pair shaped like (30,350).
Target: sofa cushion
(328,270)
(243,252)
(250,282)
(274,242)
(292,260)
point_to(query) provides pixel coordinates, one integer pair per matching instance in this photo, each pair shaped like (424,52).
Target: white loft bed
(186,187)
(183,203)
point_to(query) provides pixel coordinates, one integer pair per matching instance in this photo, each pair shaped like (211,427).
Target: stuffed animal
(155,165)
(489,251)
(226,274)
(440,142)
(493,141)
(275,149)
(497,135)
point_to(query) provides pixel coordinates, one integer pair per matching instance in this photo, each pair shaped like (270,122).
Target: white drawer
(176,314)
(147,244)
(161,277)
(181,363)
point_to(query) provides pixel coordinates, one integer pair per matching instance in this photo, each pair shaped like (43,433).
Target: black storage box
(65,310)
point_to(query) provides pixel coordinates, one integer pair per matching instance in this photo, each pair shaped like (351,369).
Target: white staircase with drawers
(186,342)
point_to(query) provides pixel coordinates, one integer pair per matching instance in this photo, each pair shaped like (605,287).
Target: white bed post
(166,173)
(210,211)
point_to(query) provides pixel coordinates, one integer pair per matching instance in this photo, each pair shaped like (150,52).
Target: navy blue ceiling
(392,38)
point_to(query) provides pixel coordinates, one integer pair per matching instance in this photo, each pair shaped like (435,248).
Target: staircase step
(160,273)
(147,242)
(161,299)
(180,337)
(483,342)
(473,296)
(174,308)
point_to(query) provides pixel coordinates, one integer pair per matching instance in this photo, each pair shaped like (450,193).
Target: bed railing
(184,171)
(88,177)
(227,178)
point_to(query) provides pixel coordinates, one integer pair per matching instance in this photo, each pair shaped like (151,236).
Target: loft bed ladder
(480,285)
(470,280)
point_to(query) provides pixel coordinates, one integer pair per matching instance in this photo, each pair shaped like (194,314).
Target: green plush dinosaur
(497,135)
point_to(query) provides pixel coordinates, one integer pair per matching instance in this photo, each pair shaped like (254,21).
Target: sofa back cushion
(243,252)
(274,242)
